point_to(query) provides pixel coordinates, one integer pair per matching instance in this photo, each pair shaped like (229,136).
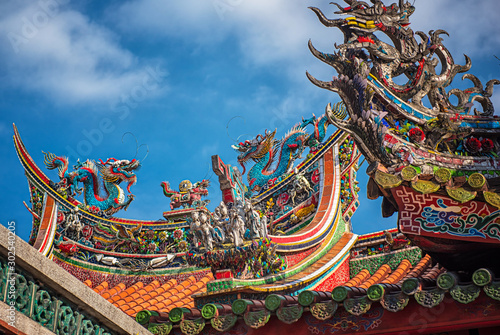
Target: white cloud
(62,54)
(189,19)
(276,32)
(473,26)
(267,32)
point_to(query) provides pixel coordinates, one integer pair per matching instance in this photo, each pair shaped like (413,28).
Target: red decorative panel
(336,278)
(440,216)
(293,259)
(223,274)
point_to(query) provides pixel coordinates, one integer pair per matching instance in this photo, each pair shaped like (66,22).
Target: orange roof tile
(112,292)
(421,266)
(398,274)
(377,277)
(101,287)
(138,297)
(88,282)
(362,276)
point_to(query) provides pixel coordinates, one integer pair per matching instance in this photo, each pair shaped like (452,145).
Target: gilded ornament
(409,173)
(442,175)
(492,198)
(460,194)
(185,186)
(476,180)
(387,180)
(424,186)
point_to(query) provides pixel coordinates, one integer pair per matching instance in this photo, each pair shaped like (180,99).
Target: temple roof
(428,283)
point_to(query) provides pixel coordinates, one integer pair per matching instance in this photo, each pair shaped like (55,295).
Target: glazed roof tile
(421,266)
(101,288)
(361,277)
(403,268)
(153,296)
(391,282)
(377,277)
(113,292)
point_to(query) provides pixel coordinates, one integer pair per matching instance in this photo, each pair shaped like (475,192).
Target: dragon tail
(56,162)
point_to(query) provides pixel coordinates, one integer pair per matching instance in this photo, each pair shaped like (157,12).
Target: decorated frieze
(433,214)
(41,304)
(36,200)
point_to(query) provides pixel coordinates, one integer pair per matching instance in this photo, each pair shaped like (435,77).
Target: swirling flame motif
(444,219)
(368,66)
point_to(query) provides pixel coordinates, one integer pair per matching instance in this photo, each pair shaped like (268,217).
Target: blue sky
(187,78)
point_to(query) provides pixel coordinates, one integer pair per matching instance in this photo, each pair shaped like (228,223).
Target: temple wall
(41,285)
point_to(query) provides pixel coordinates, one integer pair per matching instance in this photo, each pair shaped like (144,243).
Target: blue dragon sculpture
(264,149)
(112,172)
(320,125)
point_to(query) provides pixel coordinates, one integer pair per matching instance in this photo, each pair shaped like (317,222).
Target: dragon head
(116,171)
(305,122)
(255,149)
(364,19)
(201,187)
(295,141)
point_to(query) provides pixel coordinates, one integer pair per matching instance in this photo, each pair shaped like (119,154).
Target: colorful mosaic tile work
(392,259)
(295,258)
(338,277)
(98,274)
